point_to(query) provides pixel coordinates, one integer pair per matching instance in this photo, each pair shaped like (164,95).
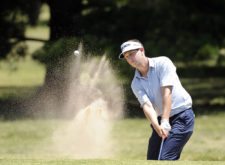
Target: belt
(174,116)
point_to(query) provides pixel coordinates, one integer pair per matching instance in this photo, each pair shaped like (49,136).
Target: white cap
(129,45)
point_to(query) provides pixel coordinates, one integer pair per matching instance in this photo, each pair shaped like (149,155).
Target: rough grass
(102,162)
(22,81)
(207,142)
(29,141)
(25,72)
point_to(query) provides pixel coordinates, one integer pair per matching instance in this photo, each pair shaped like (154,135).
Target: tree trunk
(64,22)
(65,18)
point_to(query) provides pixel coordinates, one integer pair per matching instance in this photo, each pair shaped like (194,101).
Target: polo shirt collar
(151,65)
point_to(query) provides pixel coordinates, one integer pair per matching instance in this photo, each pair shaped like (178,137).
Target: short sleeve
(140,94)
(167,72)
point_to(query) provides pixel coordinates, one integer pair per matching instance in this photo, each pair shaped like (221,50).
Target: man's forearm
(166,101)
(151,115)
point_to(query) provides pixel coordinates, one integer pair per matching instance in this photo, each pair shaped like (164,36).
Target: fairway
(66,98)
(29,141)
(102,162)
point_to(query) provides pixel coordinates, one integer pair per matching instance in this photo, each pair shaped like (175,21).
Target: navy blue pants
(182,128)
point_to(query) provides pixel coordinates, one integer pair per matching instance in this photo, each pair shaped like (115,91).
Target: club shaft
(160,150)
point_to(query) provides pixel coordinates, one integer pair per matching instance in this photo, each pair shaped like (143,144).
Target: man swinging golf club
(166,104)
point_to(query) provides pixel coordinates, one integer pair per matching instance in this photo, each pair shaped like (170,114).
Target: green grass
(26,73)
(207,142)
(29,141)
(102,162)
(21,80)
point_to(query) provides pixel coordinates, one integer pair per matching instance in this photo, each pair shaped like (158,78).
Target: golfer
(166,104)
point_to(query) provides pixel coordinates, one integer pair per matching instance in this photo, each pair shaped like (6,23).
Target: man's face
(133,57)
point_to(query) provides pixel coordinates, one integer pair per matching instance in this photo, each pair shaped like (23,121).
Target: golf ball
(76,53)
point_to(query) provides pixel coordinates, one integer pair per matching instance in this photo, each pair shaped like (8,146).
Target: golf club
(160,150)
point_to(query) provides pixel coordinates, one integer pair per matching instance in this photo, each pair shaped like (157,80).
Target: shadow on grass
(133,110)
(208,98)
(13,101)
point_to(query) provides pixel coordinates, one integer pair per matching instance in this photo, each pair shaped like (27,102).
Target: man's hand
(162,133)
(150,113)
(165,126)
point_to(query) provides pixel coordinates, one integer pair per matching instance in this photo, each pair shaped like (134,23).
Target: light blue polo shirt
(162,72)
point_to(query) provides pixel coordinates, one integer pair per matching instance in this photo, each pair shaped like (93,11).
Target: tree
(183,30)
(65,18)
(14,17)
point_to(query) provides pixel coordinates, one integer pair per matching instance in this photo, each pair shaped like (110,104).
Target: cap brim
(128,46)
(121,56)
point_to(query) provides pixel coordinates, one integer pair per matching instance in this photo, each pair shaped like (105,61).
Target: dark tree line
(174,28)
(184,30)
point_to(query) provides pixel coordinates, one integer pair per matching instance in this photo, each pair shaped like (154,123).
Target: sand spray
(94,98)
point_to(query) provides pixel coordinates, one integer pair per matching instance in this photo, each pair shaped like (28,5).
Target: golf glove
(165,125)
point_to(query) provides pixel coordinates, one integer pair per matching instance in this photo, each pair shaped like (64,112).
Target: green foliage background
(190,32)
